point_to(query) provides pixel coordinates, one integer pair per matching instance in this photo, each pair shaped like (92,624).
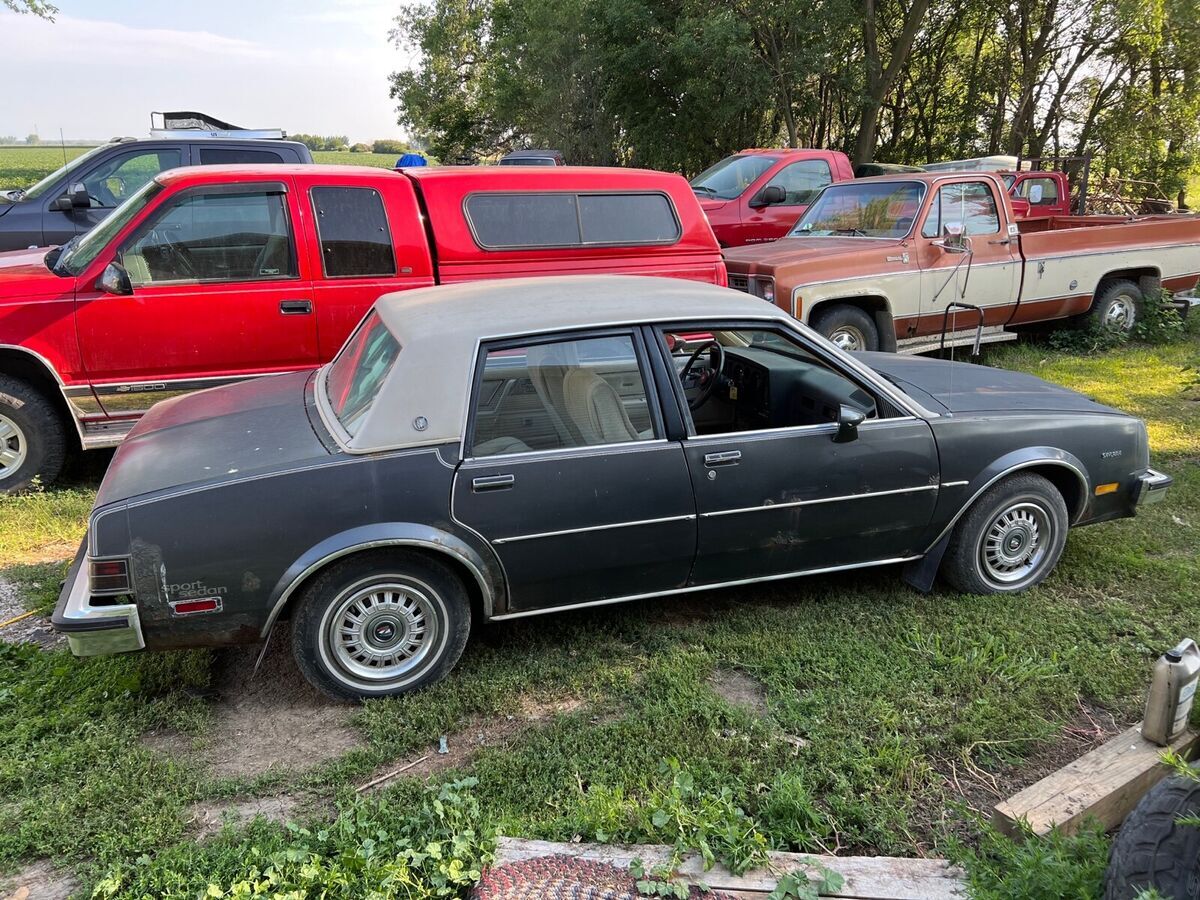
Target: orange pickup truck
(880,259)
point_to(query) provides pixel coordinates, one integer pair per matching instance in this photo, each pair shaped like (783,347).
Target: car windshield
(879,210)
(731,176)
(355,376)
(74,165)
(1008,181)
(78,255)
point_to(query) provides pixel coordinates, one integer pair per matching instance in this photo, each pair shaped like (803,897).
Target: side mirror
(953,239)
(114,280)
(849,418)
(76,197)
(769,196)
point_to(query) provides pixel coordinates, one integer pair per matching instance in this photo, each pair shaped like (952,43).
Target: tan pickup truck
(880,259)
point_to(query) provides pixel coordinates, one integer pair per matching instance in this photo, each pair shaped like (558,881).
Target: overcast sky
(316,66)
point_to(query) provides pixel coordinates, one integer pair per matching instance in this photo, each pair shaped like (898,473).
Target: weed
(1054,865)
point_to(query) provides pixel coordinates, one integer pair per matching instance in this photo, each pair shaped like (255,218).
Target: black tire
(1020,508)
(1118,305)
(1152,850)
(847,326)
(325,649)
(32,437)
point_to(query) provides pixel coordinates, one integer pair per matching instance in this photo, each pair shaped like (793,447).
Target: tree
(38,8)
(32,139)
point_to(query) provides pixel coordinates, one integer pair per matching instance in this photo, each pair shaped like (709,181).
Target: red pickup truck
(211,275)
(757,195)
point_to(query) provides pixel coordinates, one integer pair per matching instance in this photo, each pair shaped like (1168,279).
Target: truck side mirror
(849,418)
(769,196)
(114,280)
(953,238)
(76,197)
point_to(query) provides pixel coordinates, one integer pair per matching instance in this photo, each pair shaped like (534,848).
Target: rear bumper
(94,630)
(1185,301)
(1152,486)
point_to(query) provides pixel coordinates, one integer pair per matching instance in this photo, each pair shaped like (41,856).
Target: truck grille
(739,282)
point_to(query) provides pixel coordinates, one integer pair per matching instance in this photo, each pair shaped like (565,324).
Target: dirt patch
(739,689)
(38,881)
(208,818)
(32,630)
(274,720)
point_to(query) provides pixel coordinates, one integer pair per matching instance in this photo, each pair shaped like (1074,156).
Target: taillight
(109,576)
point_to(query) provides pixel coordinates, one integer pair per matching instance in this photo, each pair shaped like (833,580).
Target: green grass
(884,707)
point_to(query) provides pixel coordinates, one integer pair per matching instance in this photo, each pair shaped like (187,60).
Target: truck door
(989,278)
(219,293)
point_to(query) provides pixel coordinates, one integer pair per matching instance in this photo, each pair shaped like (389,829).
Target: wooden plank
(866,877)
(1105,783)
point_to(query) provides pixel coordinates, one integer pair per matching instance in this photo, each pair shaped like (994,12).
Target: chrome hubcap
(1120,314)
(381,632)
(1015,544)
(13,447)
(847,337)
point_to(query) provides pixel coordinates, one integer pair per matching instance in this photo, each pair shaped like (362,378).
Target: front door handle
(727,458)
(295,307)
(492,483)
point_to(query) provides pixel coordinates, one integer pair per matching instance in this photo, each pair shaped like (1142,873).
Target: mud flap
(921,573)
(886,327)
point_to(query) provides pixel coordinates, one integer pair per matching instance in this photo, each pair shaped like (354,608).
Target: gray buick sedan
(499,449)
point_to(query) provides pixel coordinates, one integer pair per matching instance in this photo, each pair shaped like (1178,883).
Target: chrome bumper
(1152,486)
(94,630)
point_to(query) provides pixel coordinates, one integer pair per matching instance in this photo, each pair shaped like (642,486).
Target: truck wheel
(847,326)
(1010,539)
(1117,306)
(380,624)
(1152,850)
(33,442)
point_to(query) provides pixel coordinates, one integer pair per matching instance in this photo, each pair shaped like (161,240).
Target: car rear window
(353,228)
(217,156)
(358,371)
(519,221)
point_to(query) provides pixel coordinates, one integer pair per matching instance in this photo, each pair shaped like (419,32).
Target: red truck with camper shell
(212,275)
(757,195)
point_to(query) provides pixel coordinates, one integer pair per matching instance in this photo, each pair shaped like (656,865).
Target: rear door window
(353,230)
(216,156)
(520,221)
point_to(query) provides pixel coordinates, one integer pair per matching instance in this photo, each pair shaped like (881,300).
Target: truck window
(204,236)
(119,178)
(801,181)
(518,221)
(970,203)
(216,156)
(732,175)
(354,234)
(1039,191)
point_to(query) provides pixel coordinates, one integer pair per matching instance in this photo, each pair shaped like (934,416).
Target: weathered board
(866,877)
(1105,783)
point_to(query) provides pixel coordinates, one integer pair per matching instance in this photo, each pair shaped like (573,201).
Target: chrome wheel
(383,631)
(1015,544)
(13,447)
(1121,313)
(848,338)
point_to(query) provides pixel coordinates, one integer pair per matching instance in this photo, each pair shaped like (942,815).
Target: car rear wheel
(847,326)
(380,624)
(33,442)
(1010,539)
(1117,306)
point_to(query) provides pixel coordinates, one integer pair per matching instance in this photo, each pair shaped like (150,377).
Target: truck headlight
(763,287)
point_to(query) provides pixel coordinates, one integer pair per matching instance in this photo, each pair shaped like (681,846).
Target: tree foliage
(37,7)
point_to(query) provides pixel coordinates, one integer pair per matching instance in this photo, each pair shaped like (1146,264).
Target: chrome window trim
(767,507)
(566,531)
(799,430)
(585,450)
(703,587)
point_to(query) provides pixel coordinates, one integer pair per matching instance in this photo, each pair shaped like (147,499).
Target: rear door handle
(727,458)
(295,307)
(492,483)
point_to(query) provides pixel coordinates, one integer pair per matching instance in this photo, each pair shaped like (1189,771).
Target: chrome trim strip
(1113,251)
(587,450)
(818,428)
(955,483)
(704,587)
(585,529)
(819,500)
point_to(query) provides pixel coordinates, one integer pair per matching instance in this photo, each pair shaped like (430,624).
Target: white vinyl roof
(425,396)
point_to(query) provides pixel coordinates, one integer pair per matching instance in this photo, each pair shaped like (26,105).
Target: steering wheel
(177,251)
(707,379)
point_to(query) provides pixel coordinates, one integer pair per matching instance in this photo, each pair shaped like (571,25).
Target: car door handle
(492,483)
(1004,241)
(295,307)
(727,458)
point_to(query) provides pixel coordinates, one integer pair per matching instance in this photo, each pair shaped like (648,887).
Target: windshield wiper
(858,232)
(704,187)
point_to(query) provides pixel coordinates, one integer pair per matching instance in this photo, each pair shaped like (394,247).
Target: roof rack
(190,125)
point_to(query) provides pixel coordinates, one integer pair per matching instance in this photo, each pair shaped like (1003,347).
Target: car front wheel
(847,326)
(380,624)
(1010,539)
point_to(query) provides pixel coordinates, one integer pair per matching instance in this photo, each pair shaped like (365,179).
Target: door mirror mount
(849,418)
(771,195)
(114,280)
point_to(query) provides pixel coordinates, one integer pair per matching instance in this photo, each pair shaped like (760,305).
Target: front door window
(119,178)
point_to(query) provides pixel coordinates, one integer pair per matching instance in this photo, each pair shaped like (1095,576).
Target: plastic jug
(1172,691)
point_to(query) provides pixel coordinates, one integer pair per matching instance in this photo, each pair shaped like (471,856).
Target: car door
(778,489)
(579,503)
(218,293)
(800,182)
(988,279)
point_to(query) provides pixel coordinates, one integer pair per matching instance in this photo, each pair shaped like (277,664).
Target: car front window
(50,180)
(880,210)
(357,373)
(731,176)
(80,256)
